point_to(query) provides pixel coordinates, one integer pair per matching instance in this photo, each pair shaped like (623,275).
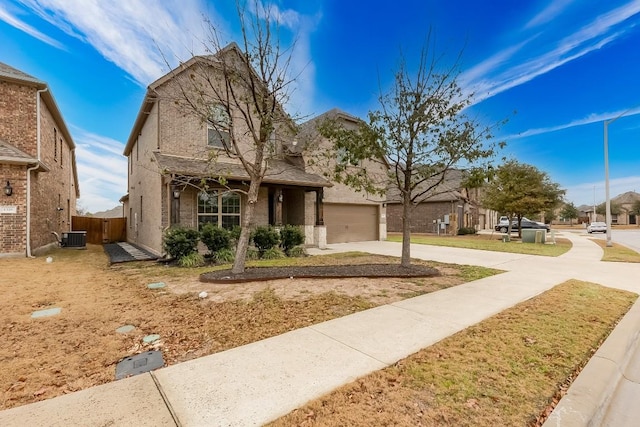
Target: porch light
(8,190)
(176,193)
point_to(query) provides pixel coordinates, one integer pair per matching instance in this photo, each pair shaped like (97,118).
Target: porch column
(174,196)
(278,198)
(319,206)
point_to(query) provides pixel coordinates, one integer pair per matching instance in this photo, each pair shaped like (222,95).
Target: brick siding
(53,194)
(421,219)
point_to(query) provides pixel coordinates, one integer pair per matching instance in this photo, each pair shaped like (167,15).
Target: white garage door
(350,223)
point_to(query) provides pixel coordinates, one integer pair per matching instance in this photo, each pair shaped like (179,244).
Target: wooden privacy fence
(101,230)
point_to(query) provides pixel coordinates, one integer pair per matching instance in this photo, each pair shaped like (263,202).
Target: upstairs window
(343,157)
(219,127)
(55,144)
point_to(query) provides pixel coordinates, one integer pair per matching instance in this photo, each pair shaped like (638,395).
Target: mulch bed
(319,271)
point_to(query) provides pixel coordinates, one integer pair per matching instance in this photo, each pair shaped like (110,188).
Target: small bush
(194,259)
(273,253)
(297,252)
(235,234)
(265,238)
(252,254)
(224,256)
(290,237)
(180,241)
(215,238)
(466,230)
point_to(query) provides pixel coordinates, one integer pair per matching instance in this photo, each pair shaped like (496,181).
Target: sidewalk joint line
(166,400)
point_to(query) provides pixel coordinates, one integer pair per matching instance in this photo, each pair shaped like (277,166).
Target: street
(629,237)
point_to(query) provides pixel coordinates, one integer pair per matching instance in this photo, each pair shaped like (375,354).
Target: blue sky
(563,66)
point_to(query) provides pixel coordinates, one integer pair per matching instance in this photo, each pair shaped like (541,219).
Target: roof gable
(7,72)
(151,96)
(627,198)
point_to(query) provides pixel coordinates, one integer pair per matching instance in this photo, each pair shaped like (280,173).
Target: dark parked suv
(525,223)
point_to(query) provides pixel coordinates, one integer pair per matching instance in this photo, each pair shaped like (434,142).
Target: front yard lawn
(508,370)
(488,242)
(78,348)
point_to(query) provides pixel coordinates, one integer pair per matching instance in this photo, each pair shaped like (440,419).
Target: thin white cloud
(136,36)
(301,70)
(102,170)
(287,17)
(591,118)
(146,38)
(505,70)
(552,11)
(585,193)
(22,26)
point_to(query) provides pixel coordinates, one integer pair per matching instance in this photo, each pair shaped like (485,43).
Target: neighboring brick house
(624,215)
(449,207)
(349,215)
(37,166)
(626,203)
(171,153)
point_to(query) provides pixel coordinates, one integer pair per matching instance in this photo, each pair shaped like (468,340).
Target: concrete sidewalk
(259,382)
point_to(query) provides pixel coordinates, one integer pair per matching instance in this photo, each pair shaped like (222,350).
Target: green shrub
(466,230)
(235,234)
(297,252)
(180,241)
(252,254)
(215,238)
(290,237)
(273,253)
(224,256)
(265,238)
(194,259)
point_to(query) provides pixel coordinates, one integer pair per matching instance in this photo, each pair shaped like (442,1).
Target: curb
(589,397)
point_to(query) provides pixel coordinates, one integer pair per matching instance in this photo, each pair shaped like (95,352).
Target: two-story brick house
(37,166)
(179,173)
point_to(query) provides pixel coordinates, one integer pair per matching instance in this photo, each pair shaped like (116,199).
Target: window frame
(344,158)
(219,127)
(206,209)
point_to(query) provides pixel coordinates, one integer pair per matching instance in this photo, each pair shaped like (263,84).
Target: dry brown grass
(617,253)
(506,370)
(488,242)
(79,348)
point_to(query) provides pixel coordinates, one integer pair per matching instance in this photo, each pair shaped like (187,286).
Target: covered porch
(197,191)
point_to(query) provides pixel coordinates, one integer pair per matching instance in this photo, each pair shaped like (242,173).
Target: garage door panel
(351,223)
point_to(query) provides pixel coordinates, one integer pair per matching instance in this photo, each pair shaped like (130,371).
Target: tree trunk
(247,227)
(405,260)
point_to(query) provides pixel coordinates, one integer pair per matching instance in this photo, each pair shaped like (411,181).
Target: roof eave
(147,104)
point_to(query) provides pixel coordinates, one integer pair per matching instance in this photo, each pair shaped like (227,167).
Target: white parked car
(597,227)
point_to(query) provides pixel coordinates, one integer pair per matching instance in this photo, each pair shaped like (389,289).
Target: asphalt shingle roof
(9,72)
(279,171)
(447,191)
(10,153)
(627,198)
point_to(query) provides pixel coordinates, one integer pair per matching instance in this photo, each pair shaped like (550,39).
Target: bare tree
(239,91)
(421,131)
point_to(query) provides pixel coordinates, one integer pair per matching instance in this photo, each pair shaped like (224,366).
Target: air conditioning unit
(74,239)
